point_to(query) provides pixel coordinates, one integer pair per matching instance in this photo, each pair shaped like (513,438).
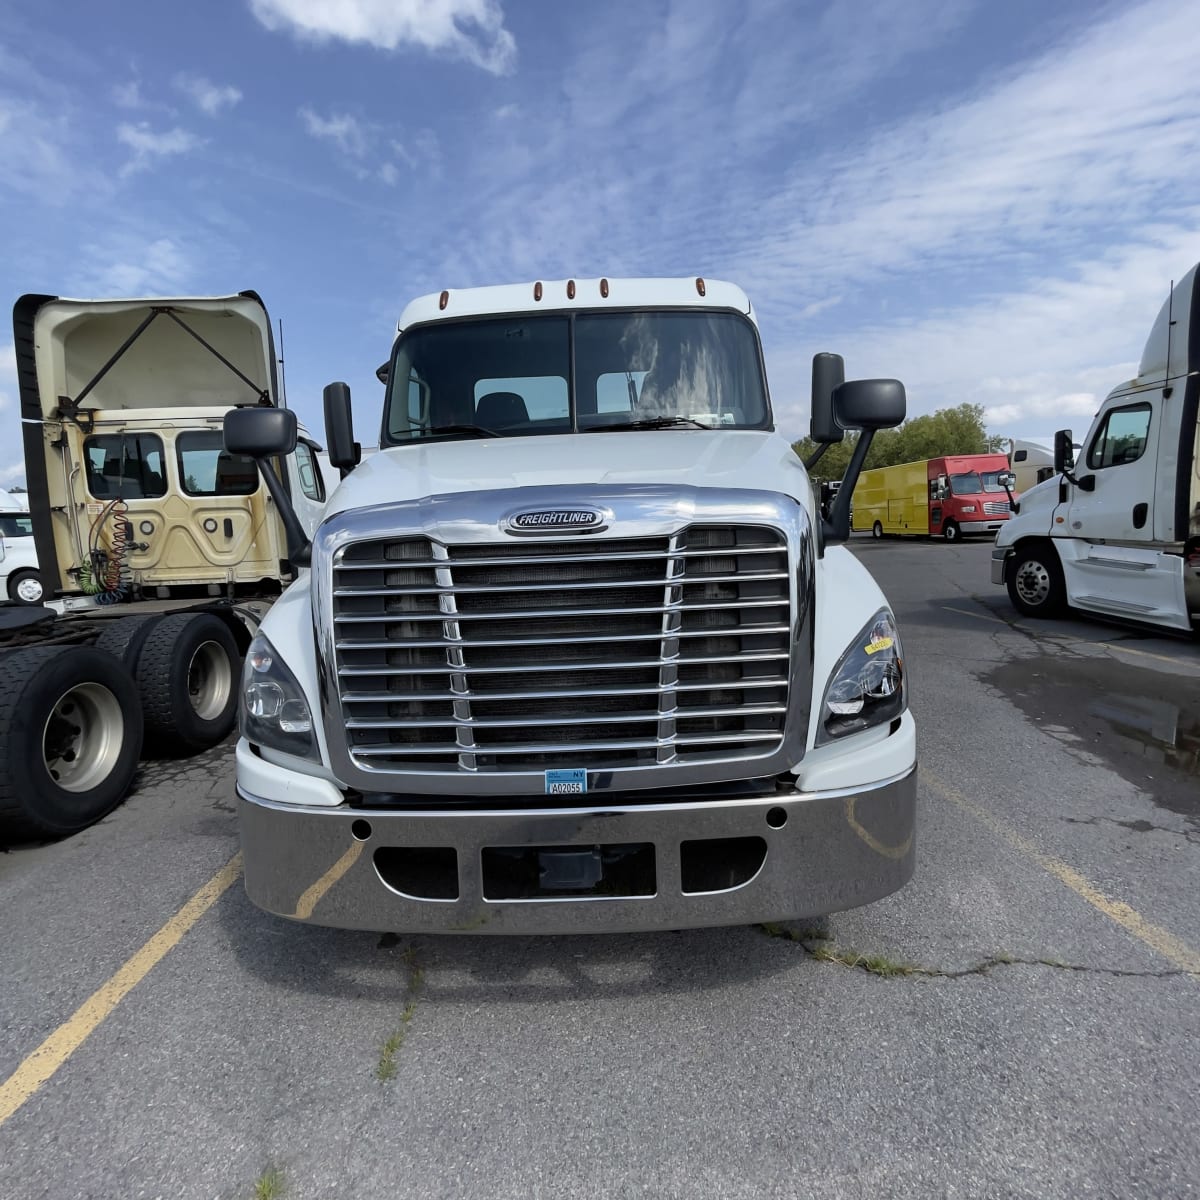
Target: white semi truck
(1117,533)
(577,651)
(156,550)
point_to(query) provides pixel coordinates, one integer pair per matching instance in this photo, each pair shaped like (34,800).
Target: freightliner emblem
(534,521)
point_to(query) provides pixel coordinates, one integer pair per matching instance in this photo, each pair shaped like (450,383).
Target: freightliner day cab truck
(1118,532)
(946,497)
(157,551)
(576,651)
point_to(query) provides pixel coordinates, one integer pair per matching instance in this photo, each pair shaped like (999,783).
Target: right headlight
(867,687)
(273,709)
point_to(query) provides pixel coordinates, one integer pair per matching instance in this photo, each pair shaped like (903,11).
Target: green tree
(957,430)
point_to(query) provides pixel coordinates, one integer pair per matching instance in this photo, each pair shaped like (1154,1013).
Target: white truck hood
(723,458)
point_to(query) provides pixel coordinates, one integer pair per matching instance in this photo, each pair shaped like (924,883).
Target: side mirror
(382,371)
(263,434)
(1007,480)
(1064,452)
(828,374)
(869,404)
(339,428)
(260,432)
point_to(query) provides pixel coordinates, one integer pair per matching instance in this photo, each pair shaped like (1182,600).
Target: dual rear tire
(73,719)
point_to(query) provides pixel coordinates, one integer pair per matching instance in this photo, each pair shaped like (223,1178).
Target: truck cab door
(1111,563)
(308,487)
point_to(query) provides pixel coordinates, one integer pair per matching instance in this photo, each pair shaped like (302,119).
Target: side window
(1020,456)
(16,526)
(206,468)
(311,483)
(1122,437)
(128,466)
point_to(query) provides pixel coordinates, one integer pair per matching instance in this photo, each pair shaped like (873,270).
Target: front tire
(877,530)
(1035,582)
(188,672)
(951,532)
(25,587)
(70,736)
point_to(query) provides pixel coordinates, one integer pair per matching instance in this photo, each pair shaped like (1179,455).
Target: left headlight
(273,709)
(867,687)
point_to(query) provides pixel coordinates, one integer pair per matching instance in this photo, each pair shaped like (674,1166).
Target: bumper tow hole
(361,830)
(777,817)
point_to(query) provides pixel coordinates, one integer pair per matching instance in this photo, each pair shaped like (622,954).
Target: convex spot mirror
(260,432)
(1064,452)
(870,404)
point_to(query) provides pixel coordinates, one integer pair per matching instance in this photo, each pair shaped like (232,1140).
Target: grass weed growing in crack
(269,1185)
(386,1068)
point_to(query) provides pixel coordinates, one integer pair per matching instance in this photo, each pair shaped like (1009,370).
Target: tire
(25,587)
(188,673)
(125,638)
(877,530)
(951,532)
(70,737)
(1035,581)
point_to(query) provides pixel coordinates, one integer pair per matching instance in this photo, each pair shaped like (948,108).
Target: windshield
(512,375)
(969,483)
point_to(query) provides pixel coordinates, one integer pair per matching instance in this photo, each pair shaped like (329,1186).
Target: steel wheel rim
(877,530)
(29,589)
(1032,582)
(82,738)
(209,679)
(951,533)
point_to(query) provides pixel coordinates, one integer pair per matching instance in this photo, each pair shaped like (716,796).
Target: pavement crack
(385,1069)
(819,948)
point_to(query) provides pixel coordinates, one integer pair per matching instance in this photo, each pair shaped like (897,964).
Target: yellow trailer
(892,500)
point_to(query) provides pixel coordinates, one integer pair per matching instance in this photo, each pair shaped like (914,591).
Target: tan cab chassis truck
(158,551)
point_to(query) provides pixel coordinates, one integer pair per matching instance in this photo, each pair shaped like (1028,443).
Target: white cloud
(125,265)
(467,29)
(389,174)
(128,95)
(211,98)
(346,132)
(147,146)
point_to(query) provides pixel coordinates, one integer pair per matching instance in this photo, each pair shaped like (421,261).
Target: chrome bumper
(999,558)
(986,526)
(834,850)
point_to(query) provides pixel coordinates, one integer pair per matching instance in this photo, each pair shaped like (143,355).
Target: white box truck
(1117,533)
(577,651)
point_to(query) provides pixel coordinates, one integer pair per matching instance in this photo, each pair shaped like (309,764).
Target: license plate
(566,782)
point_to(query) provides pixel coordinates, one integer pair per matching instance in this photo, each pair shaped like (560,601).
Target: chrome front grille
(599,652)
(995,508)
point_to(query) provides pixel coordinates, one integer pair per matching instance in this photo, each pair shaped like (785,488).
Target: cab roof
(558,295)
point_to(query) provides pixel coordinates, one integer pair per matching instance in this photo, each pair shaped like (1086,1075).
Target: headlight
(868,686)
(273,711)
(968,508)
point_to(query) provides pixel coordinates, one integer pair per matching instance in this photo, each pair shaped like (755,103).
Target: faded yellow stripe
(1160,940)
(311,897)
(72,1033)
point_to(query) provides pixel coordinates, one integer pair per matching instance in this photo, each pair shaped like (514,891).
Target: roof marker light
(700,286)
(443,300)
(570,289)
(604,288)
(537,290)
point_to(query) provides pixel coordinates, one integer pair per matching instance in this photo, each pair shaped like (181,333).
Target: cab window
(307,468)
(11,527)
(1122,438)
(128,466)
(206,468)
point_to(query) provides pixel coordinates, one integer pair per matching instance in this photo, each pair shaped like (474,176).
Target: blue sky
(985,200)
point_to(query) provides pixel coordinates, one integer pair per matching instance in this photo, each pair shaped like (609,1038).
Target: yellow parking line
(1177,662)
(72,1033)
(1160,940)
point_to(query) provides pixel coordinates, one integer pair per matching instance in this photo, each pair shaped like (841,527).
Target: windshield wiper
(477,430)
(650,423)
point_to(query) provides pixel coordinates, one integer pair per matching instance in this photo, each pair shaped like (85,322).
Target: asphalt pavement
(1022,1020)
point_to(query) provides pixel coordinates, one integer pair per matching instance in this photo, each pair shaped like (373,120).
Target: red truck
(945,497)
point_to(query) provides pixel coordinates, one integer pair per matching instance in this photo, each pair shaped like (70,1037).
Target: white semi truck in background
(156,550)
(577,650)
(1117,533)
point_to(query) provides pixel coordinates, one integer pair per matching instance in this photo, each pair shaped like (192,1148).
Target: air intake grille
(603,653)
(995,508)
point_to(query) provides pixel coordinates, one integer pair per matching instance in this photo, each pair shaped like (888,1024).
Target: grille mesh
(508,657)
